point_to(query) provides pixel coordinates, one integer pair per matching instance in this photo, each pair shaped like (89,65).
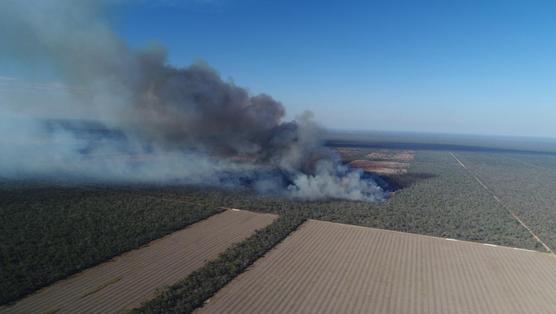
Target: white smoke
(335,181)
(158,123)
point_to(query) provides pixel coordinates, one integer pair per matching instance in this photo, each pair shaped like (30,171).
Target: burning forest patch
(187,124)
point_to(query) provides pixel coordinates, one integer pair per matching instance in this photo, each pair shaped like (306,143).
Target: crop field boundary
(127,280)
(329,267)
(197,288)
(499,201)
(428,236)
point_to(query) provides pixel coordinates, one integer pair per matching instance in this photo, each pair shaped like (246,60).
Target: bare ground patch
(327,267)
(131,278)
(385,162)
(392,155)
(380,167)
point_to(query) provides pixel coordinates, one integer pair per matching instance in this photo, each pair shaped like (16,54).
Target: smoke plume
(138,119)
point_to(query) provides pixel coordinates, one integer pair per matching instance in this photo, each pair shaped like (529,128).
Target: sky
(467,67)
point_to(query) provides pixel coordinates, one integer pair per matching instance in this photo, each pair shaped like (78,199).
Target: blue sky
(478,67)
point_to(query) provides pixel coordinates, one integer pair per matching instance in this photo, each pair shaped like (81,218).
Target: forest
(50,232)
(525,183)
(193,291)
(436,197)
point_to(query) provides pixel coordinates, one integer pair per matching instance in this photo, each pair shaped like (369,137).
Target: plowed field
(334,268)
(128,280)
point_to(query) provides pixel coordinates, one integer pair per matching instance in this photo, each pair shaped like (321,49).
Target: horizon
(348,130)
(258,156)
(449,68)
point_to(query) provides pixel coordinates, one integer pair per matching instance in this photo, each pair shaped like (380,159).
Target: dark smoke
(183,125)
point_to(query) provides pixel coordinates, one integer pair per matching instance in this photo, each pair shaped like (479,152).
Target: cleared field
(334,268)
(381,167)
(49,232)
(438,197)
(132,278)
(401,156)
(381,161)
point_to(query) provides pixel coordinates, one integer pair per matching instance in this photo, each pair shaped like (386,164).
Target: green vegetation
(191,292)
(439,198)
(525,183)
(49,233)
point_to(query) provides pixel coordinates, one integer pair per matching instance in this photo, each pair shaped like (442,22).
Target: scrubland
(51,232)
(525,183)
(436,197)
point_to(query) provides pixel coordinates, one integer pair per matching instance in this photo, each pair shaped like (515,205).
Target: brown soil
(132,278)
(380,167)
(333,268)
(402,156)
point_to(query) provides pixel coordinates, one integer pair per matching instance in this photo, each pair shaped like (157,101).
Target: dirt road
(512,213)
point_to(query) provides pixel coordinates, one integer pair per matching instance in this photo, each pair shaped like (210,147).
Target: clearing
(380,167)
(382,161)
(132,278)
(332,268)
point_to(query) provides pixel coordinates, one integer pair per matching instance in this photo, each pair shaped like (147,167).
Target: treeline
(438,198)
(50,233)
(190,293)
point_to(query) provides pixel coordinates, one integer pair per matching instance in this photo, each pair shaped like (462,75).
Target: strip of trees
(50,233)
(190,293)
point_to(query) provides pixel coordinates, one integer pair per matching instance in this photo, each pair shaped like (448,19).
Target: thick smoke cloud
(158,123)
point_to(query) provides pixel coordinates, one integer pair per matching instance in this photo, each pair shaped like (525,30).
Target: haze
(242,156)
(441,66)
